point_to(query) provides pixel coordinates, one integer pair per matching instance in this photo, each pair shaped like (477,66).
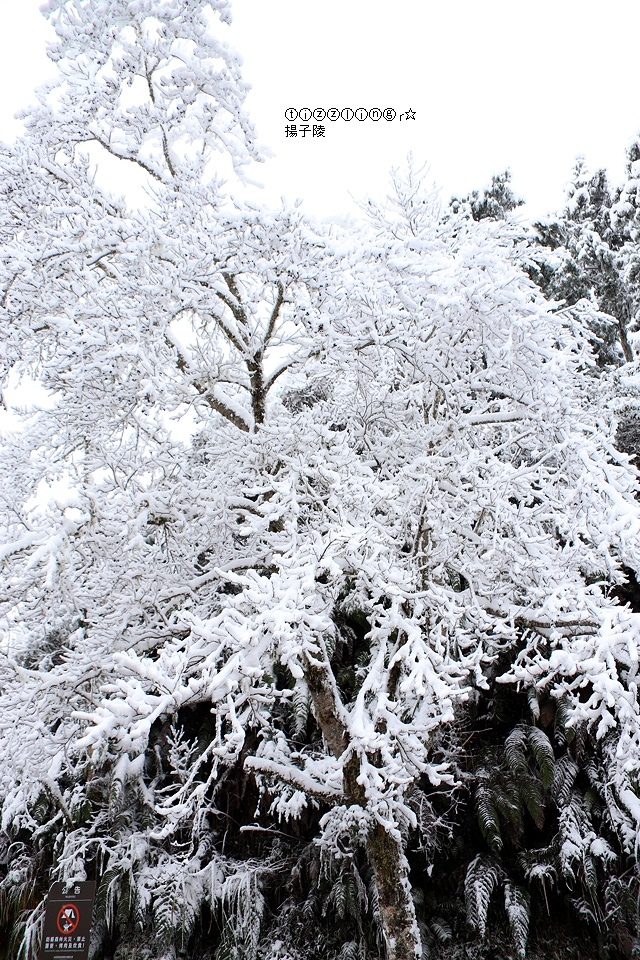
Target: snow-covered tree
(293,498)
(588,262)
(148,83)
(496,201)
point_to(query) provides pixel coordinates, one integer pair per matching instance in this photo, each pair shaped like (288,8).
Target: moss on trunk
(397,911)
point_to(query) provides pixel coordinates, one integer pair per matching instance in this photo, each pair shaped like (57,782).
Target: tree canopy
(299,513)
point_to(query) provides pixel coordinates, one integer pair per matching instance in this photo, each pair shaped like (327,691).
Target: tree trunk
(258,390)
(385,853)
(391,873)
(624,341)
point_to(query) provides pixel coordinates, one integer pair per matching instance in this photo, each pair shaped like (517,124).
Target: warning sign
(68,917)
(67,921)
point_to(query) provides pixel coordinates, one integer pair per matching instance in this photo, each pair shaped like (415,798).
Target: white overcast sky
(494,83)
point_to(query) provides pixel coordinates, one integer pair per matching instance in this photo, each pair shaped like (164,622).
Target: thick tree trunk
(391,872)
(258,390)
(385,853)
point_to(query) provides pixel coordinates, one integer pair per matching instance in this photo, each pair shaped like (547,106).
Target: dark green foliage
(515,751)
(537,871)
(543,754)
(628,434)
(505,791)
(523,843)
(566,771)
(19,894)
(494,202)
(57,641)
(330,908)
(592,259)
(487,813)
(526,840)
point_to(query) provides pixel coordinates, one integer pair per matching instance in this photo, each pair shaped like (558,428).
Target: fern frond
(515,751)
(146,815)
(539,865)
(584,910)
(166,914)
(18,887)
(484,873)
(336,902)
(564,777)
(621,902)
(593,802)
(589,872)
(563,732)
(177,900)
(106,896)
(116,795)
(310,909)
(362,899)
(602,851)
(41,809)
(507,802)
(576,834)
(593,773)
(426,940)
(543,754)
(301,703)
(243,909)
(518,909)
(126,901)
(26,936)
(441,931)
(374,900)
(349,951)
(352,900)
(331,637)
(488,816)
(530,790)
(122,824)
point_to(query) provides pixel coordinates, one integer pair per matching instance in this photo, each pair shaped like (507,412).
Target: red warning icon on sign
(68,918)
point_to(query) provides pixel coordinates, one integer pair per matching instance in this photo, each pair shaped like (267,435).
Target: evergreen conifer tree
(588,263)
(496,201)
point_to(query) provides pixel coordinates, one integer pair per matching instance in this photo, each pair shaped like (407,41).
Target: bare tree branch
(274,313)
(214,402)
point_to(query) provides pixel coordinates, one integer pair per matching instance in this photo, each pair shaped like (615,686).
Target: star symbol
(410,115)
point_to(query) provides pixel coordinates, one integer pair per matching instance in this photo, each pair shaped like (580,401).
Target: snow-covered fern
(484,873)
(518,909)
